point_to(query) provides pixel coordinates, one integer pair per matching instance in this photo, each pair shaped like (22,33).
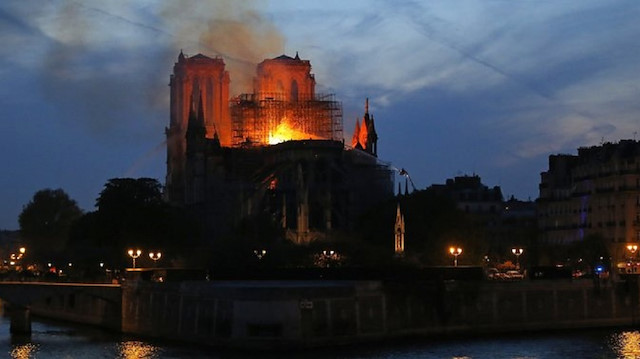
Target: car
(514,274)
(492,273)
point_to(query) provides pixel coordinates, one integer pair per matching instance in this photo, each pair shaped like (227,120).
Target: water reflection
(137,350)
(24,351)
(626,344)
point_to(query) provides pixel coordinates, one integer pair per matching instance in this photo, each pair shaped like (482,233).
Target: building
(596,192)
(470,195)
(276,153)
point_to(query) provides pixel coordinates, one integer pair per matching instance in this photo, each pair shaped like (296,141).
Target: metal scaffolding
(255,117)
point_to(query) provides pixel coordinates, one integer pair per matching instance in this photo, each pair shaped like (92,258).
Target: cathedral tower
(285,78)
(196,78)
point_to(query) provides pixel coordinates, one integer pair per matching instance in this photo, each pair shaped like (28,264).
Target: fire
(284,132)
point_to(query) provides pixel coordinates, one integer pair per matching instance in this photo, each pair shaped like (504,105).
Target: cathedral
(276,153)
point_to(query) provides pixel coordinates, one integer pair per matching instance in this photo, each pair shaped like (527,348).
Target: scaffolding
(256,117)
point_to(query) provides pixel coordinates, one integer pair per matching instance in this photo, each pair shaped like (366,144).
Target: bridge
(98,304)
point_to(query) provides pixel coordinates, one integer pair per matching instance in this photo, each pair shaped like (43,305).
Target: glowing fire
(284,132)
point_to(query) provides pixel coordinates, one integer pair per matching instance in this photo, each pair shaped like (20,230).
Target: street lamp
(134,254)
(155,256)
(517,252)
(633,248)
(455,252)
(260,253)
(328,257)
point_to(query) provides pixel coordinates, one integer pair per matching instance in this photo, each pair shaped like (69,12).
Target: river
(57,340)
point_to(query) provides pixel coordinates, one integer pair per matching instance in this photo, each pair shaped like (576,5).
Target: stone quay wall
(284,314)
(99,305)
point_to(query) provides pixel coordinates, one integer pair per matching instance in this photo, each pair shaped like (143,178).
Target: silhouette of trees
(131,213)
(46,220)
(433,223)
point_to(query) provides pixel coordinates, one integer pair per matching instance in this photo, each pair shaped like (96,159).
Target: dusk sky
(490,87)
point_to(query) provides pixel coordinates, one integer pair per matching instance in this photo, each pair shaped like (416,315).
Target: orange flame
(284,132)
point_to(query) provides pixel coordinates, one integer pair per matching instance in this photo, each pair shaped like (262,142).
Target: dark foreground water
(56,340)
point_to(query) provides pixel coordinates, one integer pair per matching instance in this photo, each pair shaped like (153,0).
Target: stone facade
(596,192)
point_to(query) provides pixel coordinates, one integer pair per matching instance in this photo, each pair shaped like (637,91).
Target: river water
(57,340)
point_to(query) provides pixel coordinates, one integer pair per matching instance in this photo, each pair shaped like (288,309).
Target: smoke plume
(235,30)
(107,65)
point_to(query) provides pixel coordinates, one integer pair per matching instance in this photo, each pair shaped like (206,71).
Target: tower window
(294,91)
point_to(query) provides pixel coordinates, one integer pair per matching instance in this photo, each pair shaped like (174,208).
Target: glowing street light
(328,253)
(633,248)
(455,252)
(134,254)
(155,256)
(260,253)
(517,252)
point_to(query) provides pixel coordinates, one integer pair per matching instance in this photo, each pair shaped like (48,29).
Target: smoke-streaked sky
(487,87)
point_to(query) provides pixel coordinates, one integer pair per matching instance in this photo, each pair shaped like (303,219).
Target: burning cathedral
(278,152)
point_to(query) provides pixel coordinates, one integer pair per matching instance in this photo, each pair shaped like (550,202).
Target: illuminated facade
(595,192)
(277,152)
(284,106)
(194,78)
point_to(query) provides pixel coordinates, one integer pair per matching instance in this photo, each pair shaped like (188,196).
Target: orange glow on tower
(284,106)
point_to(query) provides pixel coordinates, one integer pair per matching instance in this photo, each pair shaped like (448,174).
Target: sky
(485,87)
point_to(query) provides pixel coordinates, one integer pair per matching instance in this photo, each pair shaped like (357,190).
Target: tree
(131,213)
(46,220)
(433,223)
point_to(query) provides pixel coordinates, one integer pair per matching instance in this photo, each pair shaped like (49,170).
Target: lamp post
(260,253)
(155,256)
(134,254)
(328,257)
(455,252)
(633,248)
(517,252)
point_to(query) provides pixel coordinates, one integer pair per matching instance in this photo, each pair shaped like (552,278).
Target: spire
(367,137)
(399,189)
(216,139)
(181,56)
(193,118)
(356,135)
(297,57)
(201,121)
(399,232)
(364,134)
(406,186)
(195,126)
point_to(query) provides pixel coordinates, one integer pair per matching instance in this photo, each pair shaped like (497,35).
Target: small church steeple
(365,136)
(399,232)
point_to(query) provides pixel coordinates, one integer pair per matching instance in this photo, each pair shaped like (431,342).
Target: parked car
(514,274)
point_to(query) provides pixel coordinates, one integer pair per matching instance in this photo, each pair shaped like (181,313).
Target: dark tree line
(130,213)
(45,222)
(433,223)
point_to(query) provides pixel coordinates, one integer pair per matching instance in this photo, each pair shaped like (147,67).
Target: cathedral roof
(289,58)
(200,56)
(283,57)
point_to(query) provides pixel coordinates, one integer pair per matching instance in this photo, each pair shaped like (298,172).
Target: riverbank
(287,314)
